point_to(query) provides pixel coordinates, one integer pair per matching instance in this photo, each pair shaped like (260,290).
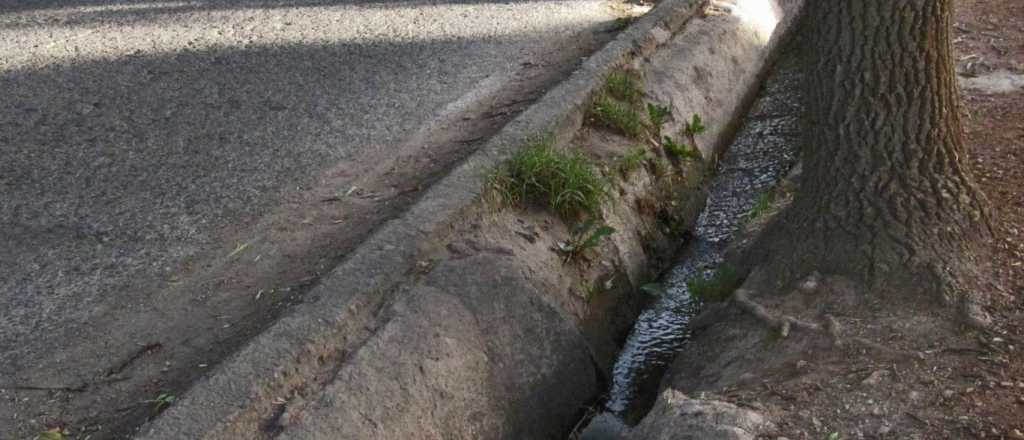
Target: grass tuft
(630,162)
(568,183)
(616,104)
(716,288)
(624,85)
(618,115)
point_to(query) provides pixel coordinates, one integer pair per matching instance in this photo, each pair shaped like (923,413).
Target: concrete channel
(456,319)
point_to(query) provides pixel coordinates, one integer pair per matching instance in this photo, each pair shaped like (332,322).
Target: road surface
(144,145)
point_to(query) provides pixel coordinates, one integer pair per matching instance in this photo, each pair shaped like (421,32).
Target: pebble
(1016,435)
(1006,384)
(947,393)
(874,378)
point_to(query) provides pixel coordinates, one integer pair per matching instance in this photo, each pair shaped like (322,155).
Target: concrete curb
(348,299)
(353,302)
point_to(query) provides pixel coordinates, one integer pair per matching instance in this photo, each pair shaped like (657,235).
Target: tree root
(784,324)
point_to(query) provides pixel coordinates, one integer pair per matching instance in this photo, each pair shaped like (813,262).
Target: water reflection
(763,151)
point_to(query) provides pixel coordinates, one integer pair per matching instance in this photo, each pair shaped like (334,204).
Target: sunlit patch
(761,15)
(36,38)
(126,7)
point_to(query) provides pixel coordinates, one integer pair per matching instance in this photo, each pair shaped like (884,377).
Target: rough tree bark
(885,195)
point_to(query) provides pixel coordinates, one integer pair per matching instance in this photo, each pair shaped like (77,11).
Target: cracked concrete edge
(342,310)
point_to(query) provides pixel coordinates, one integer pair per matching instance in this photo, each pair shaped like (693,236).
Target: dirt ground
(900,372)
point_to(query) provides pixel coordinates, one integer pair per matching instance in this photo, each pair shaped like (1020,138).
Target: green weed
(681,151)
(583,238)
(616,104)
(695,126)
(657,114)
(567,182)
(618,115)
(161,402)
(624,85)
(630,162)
(715,288)
(52,434)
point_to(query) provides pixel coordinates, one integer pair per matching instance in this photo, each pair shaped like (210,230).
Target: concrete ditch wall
(457,320)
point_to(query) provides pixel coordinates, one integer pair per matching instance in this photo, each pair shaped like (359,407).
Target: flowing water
(764,150)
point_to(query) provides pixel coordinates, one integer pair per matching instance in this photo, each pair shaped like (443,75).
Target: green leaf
(833,436)
(658,114)
(696,126)
(597,235)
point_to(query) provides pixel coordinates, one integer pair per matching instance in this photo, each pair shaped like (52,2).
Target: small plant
(567,182)
(680,150)
(715,288)
(624,85)
(618,115)
(657,114)
(52,434)
(695,126)
(583,238)
(764,202)
(630,162)
(161,402)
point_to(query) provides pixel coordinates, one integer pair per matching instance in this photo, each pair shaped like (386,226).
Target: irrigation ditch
(497,306)
(750,177)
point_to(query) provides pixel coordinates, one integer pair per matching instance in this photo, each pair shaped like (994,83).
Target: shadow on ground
(118,174)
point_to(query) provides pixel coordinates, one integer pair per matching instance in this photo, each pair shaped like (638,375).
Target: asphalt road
(132,133)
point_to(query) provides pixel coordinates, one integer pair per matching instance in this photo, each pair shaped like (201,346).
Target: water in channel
(764,150)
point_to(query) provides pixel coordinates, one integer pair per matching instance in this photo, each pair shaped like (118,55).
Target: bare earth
(901,372)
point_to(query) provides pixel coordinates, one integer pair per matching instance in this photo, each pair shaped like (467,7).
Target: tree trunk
(885,192)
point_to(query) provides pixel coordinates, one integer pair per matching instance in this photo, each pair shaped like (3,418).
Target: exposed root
(784,324)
